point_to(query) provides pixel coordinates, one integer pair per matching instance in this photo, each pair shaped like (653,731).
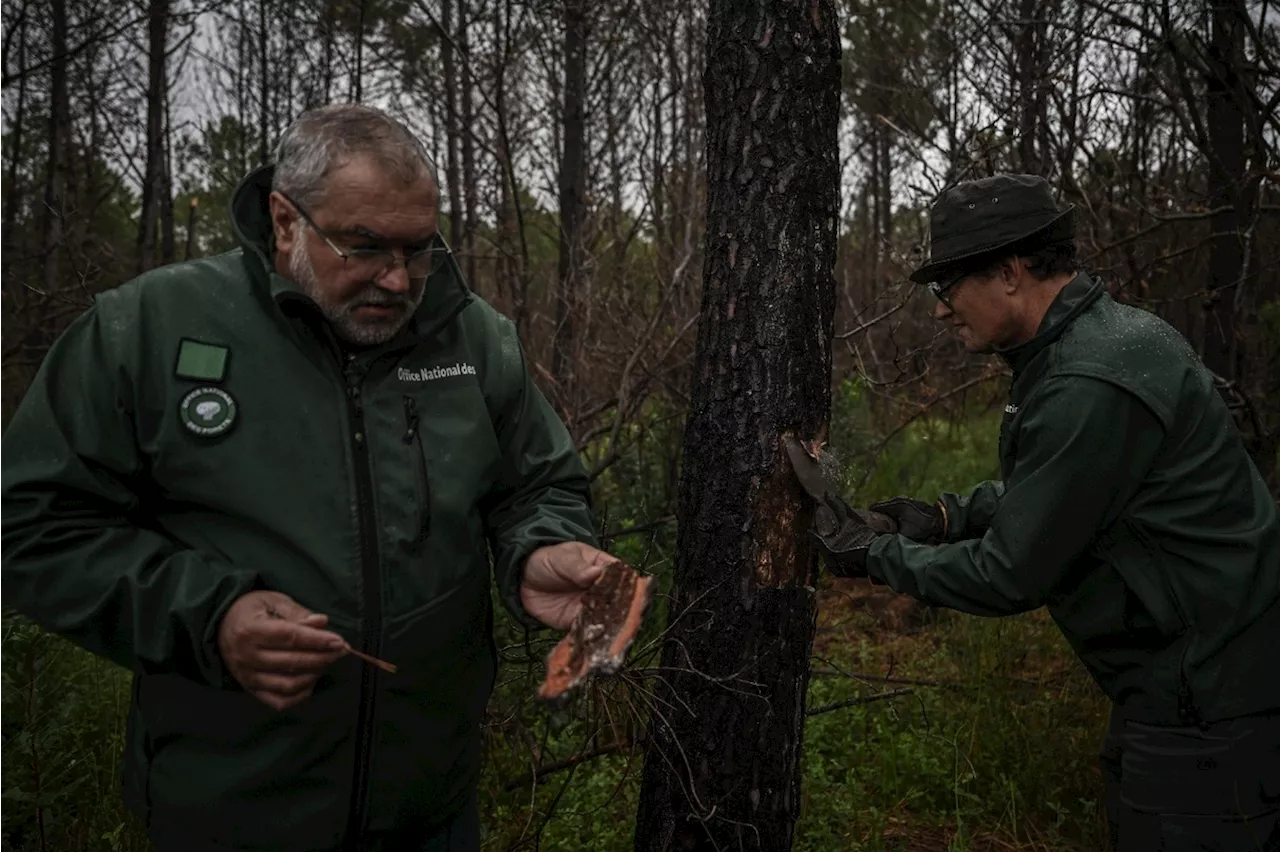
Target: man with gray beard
(244,477)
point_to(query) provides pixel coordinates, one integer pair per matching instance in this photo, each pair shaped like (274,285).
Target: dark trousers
(1176,789)
(460,833)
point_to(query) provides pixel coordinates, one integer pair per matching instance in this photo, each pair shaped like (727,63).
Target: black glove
(917,520)
(844,537)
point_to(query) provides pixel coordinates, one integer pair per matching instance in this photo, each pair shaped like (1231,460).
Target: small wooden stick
(373,661)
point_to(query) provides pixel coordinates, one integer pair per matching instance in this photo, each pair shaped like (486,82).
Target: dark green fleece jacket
(198,433)
(1130,508)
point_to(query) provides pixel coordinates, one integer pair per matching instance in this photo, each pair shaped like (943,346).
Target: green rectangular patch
(203,362)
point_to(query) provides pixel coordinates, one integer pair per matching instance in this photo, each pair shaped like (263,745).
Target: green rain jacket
(371,487)
(1129,508)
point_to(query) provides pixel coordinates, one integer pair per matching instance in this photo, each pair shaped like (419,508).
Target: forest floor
(1005,697)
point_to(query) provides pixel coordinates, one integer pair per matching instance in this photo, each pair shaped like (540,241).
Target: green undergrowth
(999,754)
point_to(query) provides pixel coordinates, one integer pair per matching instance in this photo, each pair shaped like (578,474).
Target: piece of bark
(597,642)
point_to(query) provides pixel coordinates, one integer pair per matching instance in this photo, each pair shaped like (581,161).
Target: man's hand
(275,648)
(844,537)
(555,576)
(917,520)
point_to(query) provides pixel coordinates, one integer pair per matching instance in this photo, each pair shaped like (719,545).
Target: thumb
(290,610)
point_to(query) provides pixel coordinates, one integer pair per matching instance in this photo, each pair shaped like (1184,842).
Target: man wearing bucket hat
(1127,505)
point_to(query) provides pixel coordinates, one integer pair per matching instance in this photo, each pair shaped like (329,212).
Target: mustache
(380,299)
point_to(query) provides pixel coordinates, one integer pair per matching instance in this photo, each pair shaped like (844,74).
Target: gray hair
(327,137)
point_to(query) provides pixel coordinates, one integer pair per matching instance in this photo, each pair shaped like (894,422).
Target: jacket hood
(1073,300)
(444,296)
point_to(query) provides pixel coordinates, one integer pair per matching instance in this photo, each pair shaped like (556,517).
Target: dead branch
(853,702)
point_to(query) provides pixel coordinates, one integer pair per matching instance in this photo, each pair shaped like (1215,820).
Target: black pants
(1191,790)
(461,833)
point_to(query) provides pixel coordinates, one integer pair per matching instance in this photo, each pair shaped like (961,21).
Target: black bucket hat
(981,217)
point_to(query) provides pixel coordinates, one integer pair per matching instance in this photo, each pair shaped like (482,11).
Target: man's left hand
(555,577)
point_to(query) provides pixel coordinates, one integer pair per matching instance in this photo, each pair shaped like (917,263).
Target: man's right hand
(917,520)
(275,648)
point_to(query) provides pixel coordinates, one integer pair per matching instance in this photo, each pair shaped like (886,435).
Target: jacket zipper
(372,602)
(412,435)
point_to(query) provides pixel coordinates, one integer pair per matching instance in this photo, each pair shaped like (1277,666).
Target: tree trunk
(451,130)
(886,200)
(191,229)
(512,206)
(722,769)
(572,192)
(469,189)
(12,194)
(1227,177)
(168,239)
(357,77)
(59,142)
(1027,82)
(243,80)
(264,88)
(326,51)
(153,177)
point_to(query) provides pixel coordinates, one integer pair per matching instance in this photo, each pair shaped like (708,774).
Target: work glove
(917,520)
(844,536)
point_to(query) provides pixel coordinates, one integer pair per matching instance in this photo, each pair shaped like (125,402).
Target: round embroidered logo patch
(208,412)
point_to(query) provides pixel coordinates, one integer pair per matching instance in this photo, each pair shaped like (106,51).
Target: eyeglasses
(942,291)
(373,263)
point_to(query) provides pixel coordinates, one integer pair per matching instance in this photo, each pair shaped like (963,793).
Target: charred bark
(722,767)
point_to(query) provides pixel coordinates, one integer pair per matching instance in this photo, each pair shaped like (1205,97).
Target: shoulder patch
(201,362)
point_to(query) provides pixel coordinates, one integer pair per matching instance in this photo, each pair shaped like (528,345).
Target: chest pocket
(455,455)
(448,459)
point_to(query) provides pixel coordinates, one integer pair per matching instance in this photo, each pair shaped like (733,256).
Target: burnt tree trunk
(572,191)
(725,740)
(153,178)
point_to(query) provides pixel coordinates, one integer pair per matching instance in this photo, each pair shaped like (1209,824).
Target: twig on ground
(862,699)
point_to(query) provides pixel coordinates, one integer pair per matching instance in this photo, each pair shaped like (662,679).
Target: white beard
(340,314)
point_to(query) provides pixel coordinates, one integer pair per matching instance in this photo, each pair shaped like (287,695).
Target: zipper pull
(410,419)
